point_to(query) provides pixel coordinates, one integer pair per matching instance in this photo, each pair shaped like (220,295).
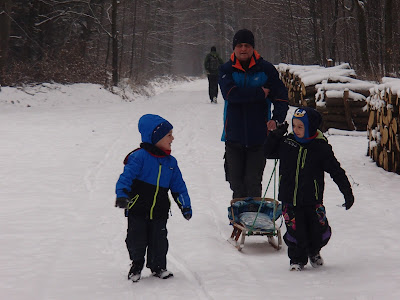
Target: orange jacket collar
(237,64)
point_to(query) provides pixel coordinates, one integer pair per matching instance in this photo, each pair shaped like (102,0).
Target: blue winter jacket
(149,174)
(246,110)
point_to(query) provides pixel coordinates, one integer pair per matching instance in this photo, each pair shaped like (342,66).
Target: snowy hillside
(61,238)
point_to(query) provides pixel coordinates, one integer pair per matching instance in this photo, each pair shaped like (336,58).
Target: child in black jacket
(305,155)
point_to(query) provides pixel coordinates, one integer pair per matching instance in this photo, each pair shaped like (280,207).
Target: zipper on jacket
(296,180)
(303,161)
(156,193)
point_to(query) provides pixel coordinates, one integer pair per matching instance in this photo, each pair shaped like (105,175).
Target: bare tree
(5,8)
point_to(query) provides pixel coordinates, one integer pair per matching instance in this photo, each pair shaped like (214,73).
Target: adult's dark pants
(143,234)
(244,168)
(212,85)
(307,231)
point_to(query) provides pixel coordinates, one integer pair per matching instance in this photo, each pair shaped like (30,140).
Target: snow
(62,238)
(313,74)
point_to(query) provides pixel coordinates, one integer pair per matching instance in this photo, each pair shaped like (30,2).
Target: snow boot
(214,100)
(316,261)
(163,274)
(134,273)
(296,267)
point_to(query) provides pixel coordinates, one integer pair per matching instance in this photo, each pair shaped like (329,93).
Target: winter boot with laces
(163,274)
(316,261)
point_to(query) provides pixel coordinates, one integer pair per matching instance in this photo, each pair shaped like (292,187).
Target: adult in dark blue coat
(249,85)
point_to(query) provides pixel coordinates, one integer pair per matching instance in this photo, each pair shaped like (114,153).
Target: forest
(109,41)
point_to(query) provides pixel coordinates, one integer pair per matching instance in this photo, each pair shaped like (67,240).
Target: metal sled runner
(255,216)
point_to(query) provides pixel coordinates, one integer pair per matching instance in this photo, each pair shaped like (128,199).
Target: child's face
(298,128)
(165,143)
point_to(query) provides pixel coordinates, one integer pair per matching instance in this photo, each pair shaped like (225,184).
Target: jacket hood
(311,120)
(147,125)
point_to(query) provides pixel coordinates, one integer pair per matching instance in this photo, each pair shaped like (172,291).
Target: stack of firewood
(301,80)
(333,91)
(343,104)
(383,124)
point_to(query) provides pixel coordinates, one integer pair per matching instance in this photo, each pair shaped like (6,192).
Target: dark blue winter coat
(149,174)
(246,110)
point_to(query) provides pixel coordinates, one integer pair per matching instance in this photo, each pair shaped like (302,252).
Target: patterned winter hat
(311,120)
(243,36)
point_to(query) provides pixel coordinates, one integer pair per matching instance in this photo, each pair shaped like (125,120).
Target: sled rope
(273,174)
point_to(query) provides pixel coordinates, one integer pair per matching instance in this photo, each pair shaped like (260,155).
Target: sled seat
(248,218)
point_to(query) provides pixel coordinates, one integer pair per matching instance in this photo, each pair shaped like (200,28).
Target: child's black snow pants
(307,231)
(143,234)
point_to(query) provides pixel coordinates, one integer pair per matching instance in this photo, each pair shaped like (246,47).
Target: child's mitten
(187,212)
(349,201)
(122,202)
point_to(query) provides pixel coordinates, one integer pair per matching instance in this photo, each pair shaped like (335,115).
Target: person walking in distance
(211,64)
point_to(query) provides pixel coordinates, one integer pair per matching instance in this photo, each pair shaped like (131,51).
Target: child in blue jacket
(305,155)
(142,190)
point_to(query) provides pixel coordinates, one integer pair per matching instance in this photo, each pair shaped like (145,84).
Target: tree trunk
(332,48)
(114,37)
(362,35)
(133,46)
(388,45)
(5,8)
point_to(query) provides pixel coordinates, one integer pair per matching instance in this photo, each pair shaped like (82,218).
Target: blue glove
(122,202)
(187,212)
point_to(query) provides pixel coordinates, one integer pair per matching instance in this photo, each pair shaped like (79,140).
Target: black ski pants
(212,85)
(244,168)
(143,234)
(307,231)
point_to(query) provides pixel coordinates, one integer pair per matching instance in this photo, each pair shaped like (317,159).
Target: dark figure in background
(211,64)
(249,84)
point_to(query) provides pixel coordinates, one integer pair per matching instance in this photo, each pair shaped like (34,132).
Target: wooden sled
(271,209)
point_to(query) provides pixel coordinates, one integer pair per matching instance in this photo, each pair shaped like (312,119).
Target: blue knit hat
(311,120)
(153,128)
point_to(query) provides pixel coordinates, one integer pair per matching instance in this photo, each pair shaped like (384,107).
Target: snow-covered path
(62,238)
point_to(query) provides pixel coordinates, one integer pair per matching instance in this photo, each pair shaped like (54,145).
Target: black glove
(281,129)
(122,202)
(349,201)
(187,212)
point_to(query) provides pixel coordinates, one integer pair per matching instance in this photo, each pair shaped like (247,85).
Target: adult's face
(243,52)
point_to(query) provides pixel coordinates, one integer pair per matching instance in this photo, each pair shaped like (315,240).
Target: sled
(254,216)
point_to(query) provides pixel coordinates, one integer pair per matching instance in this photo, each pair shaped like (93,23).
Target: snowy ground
(61,238)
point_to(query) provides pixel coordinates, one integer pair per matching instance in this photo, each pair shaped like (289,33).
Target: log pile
(333,91)
(383,124)
(343,104)
(301,80)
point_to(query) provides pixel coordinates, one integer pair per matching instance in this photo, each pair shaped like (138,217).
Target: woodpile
(333,91)
(343,104)
(301,80)
(383,124)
